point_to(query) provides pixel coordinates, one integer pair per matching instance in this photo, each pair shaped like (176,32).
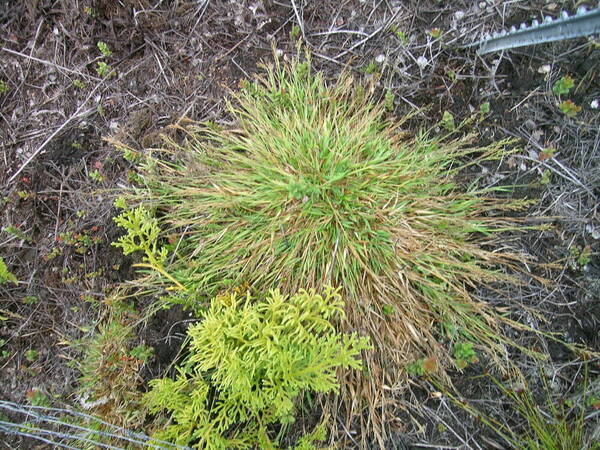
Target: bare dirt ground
(176,59)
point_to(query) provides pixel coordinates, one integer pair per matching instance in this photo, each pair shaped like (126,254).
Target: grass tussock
(313,186)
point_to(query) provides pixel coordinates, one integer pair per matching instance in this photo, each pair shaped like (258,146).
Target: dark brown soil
(180,58)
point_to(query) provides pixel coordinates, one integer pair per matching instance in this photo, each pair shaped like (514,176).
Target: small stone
(544,69)
(379,59)
(592,231)
(422,62)
(594,104)
(459,15)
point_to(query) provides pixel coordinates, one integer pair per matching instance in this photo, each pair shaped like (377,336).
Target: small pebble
(592,231)
(544,69)
(459,15)
(422,62)
(594,104)
(380,59)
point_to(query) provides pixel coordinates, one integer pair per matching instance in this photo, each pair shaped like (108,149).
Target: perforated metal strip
(583,23)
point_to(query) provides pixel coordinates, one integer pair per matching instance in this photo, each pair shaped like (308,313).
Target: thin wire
(25,429)
(36,413)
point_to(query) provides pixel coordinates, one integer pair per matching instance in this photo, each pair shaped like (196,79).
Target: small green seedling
(448,121)
(399,34)
(30,300)
(295,33)
(89,299)
(38,398)
(416,368)
(79,84)
(5,275)
(103,69)
(4,354)
(134,177)
(422,366)
(52,254)
(584,256)
(449,330)
(3,87)
(31,355)
(130,155)
(388,310)
(569,109)
(103,47)
(96,176)
(547,153)
(563,86)
(579,256)
(16,232)
(388,101)
(435,33)
(484,108)
(546,177)
(593,401)
(371,68)
(120,203)
(464,354)
(142,352)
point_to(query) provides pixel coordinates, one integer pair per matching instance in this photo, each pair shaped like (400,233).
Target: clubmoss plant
(313,187)
(248,361)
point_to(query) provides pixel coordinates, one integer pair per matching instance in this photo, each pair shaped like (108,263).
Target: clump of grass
(314,187)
